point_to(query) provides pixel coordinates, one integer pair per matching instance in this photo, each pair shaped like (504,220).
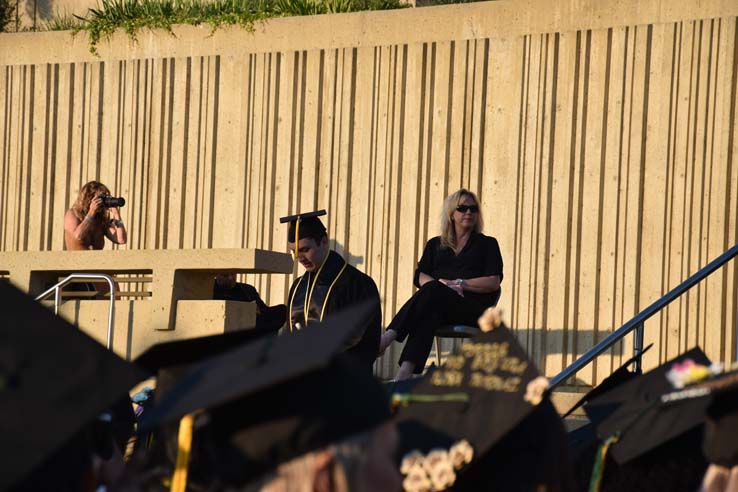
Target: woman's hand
(95,205)
(453,285)
(115,212)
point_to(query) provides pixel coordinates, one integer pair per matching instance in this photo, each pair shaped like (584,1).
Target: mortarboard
(278,397)
(170,360)
(306,225)
(717,392)
(54,381)
(480,397)
(641,421)
(618,377)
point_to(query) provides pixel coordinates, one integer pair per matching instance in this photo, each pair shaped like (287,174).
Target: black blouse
(480,257)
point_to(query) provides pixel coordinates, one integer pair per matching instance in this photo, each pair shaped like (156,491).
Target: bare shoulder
(70,219)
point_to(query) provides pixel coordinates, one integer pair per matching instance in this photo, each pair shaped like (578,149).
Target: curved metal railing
(56,290)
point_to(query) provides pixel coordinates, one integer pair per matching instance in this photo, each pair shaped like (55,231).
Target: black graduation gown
(336,287)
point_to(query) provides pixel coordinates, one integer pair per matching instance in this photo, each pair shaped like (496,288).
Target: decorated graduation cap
(642,420)
(278,398)
(461,413)
(305,225)
(54,382)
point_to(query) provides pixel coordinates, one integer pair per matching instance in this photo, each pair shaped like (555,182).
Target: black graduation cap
(54,381)
(279,397)
(621,375)
(641,420)
(305,225)
(171,360)
(481,395)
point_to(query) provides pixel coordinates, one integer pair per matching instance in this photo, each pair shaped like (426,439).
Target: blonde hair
(448,232)
(88,191)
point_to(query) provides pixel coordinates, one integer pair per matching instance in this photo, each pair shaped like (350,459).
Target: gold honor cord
(294,293)
(297,236)
(306,307)
(184,448)
(328,294)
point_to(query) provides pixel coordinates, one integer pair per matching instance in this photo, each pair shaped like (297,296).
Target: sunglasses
(467,208)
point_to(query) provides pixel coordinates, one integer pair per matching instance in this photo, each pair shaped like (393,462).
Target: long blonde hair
(88,191)
(448,232)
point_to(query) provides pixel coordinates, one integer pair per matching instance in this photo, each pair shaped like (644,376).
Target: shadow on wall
(33,15)
(353,260)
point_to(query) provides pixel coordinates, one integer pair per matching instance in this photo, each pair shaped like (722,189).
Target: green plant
(7,13)
(133,15)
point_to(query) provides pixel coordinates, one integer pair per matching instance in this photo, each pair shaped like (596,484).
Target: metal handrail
(56,289)
(640,318)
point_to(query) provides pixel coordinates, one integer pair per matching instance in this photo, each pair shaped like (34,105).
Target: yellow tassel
(184,448)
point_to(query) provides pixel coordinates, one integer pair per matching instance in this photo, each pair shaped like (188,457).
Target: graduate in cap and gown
(329,284)
(282,413)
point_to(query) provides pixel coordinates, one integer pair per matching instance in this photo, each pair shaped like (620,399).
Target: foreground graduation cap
(171,360)
(304,225)
(641,422)
(54,381)
(621,375)
(486,394)
(278,397)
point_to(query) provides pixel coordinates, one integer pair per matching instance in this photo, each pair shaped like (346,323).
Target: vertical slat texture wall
(604,160)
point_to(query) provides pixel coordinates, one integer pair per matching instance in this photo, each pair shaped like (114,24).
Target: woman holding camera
(90,221)
(458,277)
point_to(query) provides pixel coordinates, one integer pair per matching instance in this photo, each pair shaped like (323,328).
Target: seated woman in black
(458,276)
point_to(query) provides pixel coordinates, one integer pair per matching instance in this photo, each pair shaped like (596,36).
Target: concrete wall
(600,137)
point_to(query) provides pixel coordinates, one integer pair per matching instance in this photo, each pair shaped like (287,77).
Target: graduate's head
(311,252)
(312,242)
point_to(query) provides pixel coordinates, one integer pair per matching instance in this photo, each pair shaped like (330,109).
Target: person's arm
(117,231)
(490,283)
(481,285)
(363,289)
(425,266)
(80,230)
(424,278)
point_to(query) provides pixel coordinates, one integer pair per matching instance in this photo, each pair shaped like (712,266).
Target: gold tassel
(184,448)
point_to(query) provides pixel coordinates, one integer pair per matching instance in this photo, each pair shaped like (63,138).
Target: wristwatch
(460,282)
(118,223)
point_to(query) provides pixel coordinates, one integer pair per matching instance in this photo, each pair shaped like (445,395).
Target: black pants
(433,306)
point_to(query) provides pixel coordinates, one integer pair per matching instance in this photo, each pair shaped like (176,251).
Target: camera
(112,201)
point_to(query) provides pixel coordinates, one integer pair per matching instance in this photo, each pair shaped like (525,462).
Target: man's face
(310,253)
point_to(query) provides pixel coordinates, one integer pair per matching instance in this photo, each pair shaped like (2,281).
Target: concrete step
(564,397)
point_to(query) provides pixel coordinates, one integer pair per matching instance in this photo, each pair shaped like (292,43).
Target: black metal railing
(637,322)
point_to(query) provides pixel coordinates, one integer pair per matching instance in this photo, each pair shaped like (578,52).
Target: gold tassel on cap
(184,448)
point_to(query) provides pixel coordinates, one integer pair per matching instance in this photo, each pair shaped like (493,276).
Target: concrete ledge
(499,19)
(132,330)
